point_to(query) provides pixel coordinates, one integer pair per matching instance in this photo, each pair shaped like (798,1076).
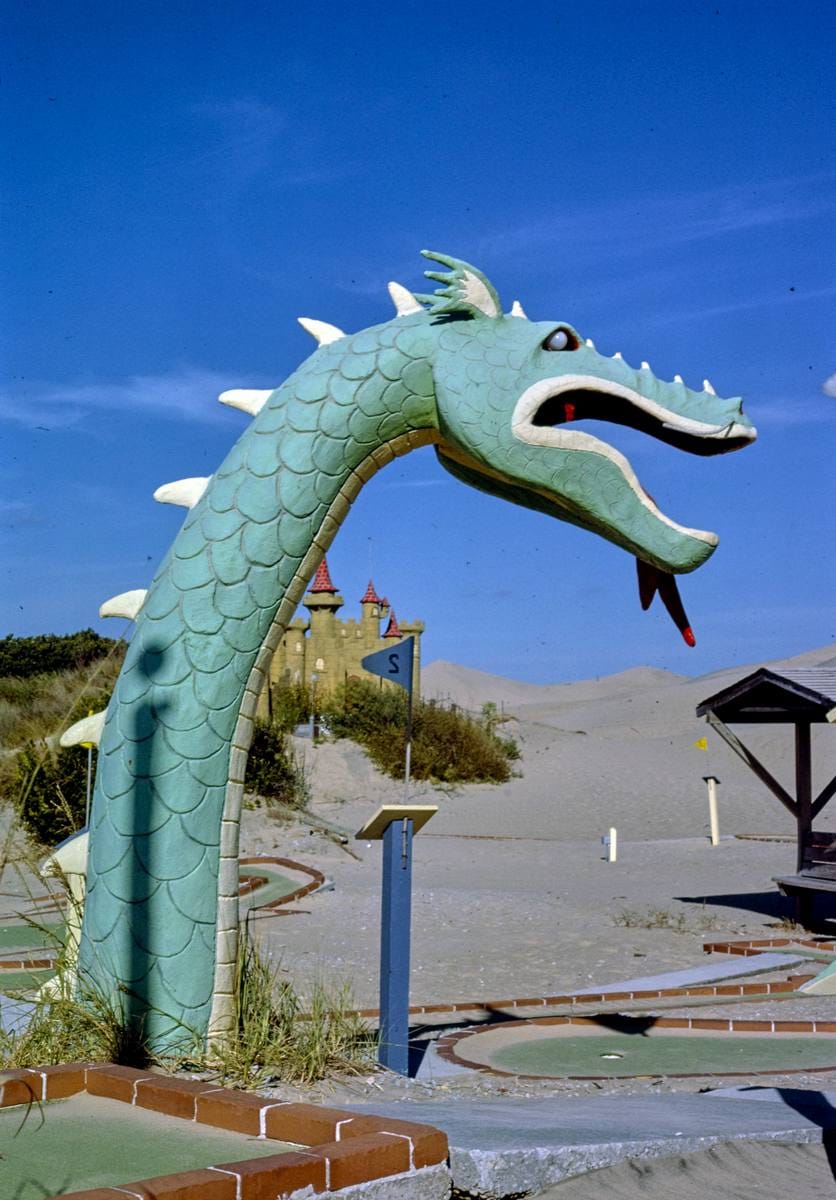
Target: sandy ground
(740,1171)
(512,896)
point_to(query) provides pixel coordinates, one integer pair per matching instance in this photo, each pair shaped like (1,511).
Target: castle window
(298,647)
(320,664)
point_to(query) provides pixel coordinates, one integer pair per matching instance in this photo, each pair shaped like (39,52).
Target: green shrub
(51,791)
(24,657)
(290,705)
(447,746)
(272,770)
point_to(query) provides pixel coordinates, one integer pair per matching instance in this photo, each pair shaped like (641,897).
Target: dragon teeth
(706,387)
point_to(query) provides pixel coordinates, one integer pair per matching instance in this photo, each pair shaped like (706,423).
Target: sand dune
(512,894)
(738,1171)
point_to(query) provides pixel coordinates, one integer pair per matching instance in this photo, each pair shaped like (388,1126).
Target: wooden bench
(817,874)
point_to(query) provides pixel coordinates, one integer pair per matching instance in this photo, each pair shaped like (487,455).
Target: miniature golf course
(618,1049)
(53,1148)
(27,946)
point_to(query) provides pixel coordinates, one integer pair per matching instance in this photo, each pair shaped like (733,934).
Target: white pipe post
(713,820)
(613,845)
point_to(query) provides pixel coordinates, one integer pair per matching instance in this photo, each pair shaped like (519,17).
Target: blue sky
(183,180)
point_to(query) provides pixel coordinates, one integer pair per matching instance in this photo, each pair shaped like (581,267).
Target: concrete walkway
(505,1147)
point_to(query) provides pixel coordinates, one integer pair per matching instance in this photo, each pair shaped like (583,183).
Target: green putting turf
(88,1142)
(662,1054)
(277,886)
(23,981)
(21,936)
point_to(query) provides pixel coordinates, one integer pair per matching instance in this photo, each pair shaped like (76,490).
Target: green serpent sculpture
(500,397)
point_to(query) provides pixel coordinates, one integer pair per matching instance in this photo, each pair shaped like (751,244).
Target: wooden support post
(803,788)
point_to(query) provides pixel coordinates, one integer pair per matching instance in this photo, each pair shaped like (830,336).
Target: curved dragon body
(495,393)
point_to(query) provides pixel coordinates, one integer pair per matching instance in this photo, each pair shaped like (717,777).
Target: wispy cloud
(670,317)
(636,223)
(246,131)
(185,394)
(252,141)
(806,410)
(829,385)
(414,483)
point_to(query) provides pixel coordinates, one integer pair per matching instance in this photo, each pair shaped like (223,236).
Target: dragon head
(513,397)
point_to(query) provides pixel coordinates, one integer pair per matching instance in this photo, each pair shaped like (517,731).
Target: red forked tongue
(653,580)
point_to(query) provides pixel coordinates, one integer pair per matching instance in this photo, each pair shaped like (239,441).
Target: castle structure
(325,650)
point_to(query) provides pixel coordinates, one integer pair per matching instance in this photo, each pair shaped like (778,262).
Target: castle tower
(393,630)
(370,619)
(325,652)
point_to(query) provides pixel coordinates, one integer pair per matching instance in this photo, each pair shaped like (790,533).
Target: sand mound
(742,1171)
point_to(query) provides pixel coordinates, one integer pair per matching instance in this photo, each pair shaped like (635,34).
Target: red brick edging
(446,1046)
(317,878)
(709,989)
(336,1148)
(751,946)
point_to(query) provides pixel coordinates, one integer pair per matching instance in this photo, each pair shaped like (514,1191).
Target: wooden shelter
(800,697)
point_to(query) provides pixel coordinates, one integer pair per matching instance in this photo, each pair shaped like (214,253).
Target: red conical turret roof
(393,629)
(322,579)
(370,596)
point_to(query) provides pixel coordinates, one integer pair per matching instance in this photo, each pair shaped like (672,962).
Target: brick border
(711,989)
(446,1046)
(336,1148)
(317,878)
(746,948)
(751,946)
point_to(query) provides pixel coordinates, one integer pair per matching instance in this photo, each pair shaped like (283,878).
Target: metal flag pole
(408,760)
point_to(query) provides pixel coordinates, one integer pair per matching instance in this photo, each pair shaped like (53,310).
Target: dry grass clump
(663,918)
(277,1037)
(38,706)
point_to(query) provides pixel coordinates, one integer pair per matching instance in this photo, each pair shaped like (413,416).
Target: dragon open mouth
(547,414)
(585,404)
(547,411)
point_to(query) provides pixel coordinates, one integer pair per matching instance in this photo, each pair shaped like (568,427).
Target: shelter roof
(790,696)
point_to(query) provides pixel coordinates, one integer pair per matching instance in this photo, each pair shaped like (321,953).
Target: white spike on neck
(88,729)
(248,400)
(126,604)
(403,300)
(321,331)
(185,492)
(517,310)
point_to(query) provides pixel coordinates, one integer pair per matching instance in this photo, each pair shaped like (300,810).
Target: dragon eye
(561,339)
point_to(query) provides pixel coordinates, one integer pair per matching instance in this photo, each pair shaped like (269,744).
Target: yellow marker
(702,744)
